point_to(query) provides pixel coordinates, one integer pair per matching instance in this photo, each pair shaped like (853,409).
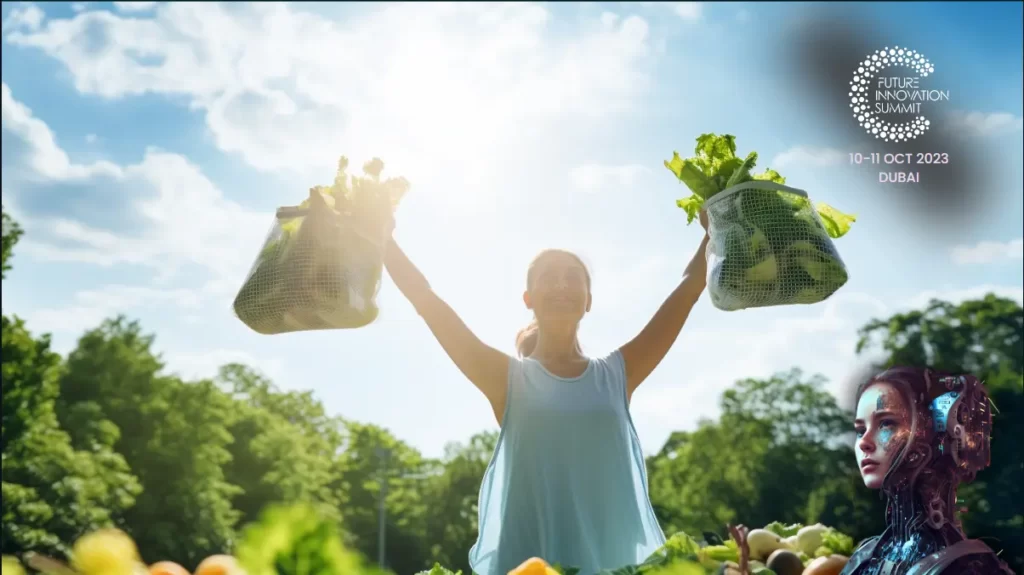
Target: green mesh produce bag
(768,247)
(768,244)
(320,266)
(312,273)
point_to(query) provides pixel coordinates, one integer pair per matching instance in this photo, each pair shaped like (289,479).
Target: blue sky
(145,147)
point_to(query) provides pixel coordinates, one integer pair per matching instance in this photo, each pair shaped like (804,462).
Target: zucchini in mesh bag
(769,244)
(321,265)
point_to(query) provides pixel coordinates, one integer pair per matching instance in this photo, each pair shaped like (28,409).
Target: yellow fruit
(532,566)
(105,552)
(218,565)
(167,568)
(11,566)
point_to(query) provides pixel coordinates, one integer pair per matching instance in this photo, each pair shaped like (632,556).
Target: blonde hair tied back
(526,339)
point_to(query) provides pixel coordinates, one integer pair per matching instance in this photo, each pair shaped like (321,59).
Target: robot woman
(920,435)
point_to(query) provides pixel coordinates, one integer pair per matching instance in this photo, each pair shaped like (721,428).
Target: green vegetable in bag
(321,267)
(771,245)
(716,168)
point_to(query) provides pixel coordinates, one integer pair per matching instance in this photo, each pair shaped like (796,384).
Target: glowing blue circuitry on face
(941,407)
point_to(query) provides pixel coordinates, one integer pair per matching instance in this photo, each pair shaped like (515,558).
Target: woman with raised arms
(567,481)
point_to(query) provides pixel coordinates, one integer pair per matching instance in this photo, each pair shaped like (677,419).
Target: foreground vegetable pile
(769,244)
(293,540)
(776,549)
(296,540)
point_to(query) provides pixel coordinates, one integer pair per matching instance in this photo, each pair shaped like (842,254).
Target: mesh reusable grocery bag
(316,270)
(768,247)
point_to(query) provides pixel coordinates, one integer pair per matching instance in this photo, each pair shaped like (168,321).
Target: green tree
(286,447)
(359,479)
(11,233)
(700,480)
(173,434)
(810,459)
(52,492)
(985,338)
(842,501)
(777,453)
(453,496)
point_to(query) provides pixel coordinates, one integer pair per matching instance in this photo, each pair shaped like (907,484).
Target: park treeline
(106,436)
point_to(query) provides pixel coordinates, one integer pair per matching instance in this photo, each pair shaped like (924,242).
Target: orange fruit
(167,568)
(532,566)
(218,565)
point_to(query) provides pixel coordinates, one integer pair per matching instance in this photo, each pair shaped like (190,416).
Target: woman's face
(882,426)
(559,290)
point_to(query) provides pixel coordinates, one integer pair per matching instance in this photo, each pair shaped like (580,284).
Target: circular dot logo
(870,68)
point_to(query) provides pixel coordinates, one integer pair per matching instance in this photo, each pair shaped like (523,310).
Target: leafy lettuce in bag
(770,245)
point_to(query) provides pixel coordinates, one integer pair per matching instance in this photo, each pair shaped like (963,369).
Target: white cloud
(91,138)
(26,17)
(593,177)
(988,252)
(288,90)
(685,10)
(199,365)
(91,307)
(804,156)
(688,10)
(984,123)
(135,6)
(958,295)
(45,160)
(79,6)
(183,220)
(181,217)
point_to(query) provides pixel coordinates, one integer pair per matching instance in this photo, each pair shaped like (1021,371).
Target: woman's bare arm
(644,352)
(486,367)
